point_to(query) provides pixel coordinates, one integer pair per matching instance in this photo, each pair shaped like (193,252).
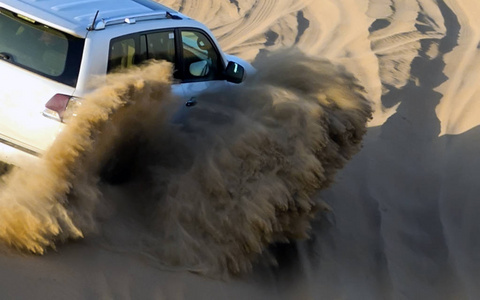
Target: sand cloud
(218,183)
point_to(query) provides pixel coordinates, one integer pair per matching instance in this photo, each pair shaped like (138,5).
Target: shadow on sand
(403,224)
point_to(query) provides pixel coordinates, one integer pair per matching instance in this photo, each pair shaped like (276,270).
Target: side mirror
(234,72)
(199,68)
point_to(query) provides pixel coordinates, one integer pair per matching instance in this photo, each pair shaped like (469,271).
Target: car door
(201,64)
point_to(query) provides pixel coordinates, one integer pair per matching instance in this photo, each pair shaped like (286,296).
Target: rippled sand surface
(403,223)
(377,39)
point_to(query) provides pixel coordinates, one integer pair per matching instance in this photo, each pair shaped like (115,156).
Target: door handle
(191,102)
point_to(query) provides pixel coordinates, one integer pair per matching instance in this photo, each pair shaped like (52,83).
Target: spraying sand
(237,174)
(403,220)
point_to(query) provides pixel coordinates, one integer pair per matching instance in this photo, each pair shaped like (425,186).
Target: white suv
(50,49)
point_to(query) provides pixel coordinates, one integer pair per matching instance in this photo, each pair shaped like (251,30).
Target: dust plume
(214,184)
(239,172)
(56,198)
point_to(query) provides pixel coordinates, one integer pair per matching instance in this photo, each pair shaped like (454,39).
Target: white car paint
(25,132)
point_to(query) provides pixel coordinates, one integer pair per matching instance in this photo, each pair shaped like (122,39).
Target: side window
(134,49)
(122,53)
(161,46)
(200,59)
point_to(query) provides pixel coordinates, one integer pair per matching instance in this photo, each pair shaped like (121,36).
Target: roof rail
(133,19)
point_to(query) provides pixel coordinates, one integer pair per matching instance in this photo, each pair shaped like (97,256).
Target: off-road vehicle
(51,49)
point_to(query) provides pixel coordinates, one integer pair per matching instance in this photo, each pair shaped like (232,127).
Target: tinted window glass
(122,53)
(161,46)
(134,49)
(200,58)
(39,48)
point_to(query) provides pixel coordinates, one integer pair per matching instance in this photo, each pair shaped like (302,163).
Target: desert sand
(400,219)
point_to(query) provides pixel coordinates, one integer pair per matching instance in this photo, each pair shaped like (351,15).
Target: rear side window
(134,49)
(161,46)
(122,54)
(39,48)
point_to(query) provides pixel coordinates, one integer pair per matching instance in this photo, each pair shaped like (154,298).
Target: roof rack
(133,19)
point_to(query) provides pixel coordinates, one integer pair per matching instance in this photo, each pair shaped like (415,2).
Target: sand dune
(377,39)
(402,222)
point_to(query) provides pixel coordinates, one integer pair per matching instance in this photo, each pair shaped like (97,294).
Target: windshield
(39,48)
